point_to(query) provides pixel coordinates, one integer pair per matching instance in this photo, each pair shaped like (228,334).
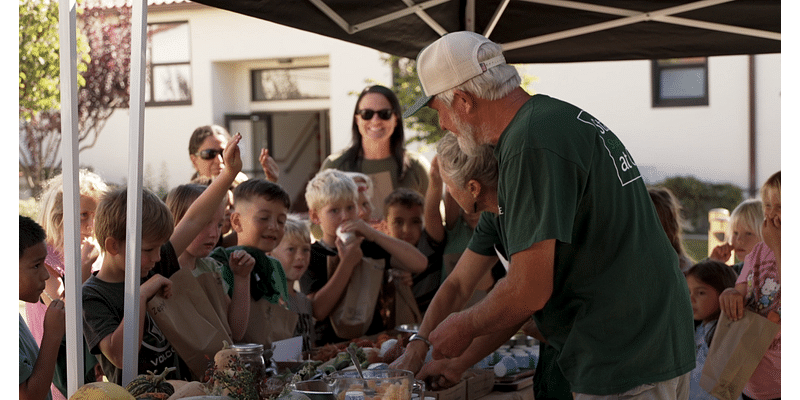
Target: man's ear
(313,216)
(114,246)
(463,102)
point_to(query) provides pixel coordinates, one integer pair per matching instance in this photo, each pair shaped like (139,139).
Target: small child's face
(405,223)
(364,205)
(151,254)
(88,207)
(259,223)
(333,214)
(294,255)
(772,204)
(705,300)
(32,273)
(743,240)
(206,240)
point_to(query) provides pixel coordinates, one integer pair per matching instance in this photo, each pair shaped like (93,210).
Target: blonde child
(294,253)
(331,197)
(706,280)
(91,187)
(744,231)
(758,289)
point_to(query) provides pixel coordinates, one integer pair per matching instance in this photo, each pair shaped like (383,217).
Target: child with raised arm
(36,364)
(196,256)
(294,253)
(104,292)
(331,197)
(707,280)
(758,289)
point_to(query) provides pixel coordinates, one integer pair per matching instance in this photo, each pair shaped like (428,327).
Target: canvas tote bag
(736,350)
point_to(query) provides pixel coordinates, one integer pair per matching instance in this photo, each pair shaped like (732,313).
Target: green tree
(698,198)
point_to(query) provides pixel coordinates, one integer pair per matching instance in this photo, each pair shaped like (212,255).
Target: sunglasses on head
(209,154)
(367,114)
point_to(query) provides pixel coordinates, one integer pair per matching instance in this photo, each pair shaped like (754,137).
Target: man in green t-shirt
(589,259)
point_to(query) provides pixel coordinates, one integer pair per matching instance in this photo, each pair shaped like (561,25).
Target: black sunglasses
(209,154)
(367,114)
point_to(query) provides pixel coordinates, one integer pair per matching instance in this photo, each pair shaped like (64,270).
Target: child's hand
(350,253)
(90,251)
(360,228)
(436,176)
(241,263)
(270,167)
(731,302)
(722,252)
(157,283)
(55,318)
(231,156)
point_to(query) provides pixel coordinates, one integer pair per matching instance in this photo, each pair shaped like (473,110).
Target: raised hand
(231,156)
(270,166)
(241,263)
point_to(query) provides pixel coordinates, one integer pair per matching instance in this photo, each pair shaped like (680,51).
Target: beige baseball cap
(448,62)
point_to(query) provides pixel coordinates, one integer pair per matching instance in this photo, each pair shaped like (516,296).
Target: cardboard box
(480,382)
(457,392)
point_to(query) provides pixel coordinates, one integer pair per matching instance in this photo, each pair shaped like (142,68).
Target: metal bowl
(408,328)
(315,390)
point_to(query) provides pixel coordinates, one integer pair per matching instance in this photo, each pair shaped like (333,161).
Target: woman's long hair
(354,155)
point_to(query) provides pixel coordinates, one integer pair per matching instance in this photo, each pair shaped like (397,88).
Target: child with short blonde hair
(331,197)
(294,253)
(744,231)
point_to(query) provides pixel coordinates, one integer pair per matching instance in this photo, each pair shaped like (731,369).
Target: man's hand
(413,358)
(451,337)
(241,263)
(270,167)
(441,374)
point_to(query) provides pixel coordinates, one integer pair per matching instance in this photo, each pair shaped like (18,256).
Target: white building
(220,54)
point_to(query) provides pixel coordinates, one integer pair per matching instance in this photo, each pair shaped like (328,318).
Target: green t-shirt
(619,314)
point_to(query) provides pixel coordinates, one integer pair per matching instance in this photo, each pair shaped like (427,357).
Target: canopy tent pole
(68,65)
(496,17)
(133,245)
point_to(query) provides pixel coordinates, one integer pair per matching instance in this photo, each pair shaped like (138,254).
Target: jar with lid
(252,355)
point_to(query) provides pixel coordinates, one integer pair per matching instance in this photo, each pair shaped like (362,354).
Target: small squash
(222,359)
(176,383)
(151,383)
(101,391)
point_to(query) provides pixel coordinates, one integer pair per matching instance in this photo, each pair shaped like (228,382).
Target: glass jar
(252,355)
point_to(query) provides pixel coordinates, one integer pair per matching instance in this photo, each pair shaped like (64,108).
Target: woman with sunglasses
(205,152)
(377,148)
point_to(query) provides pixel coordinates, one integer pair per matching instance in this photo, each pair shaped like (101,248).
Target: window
(169,74)
(291,79)
(680,82)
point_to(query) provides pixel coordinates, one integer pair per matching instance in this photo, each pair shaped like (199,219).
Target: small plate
(408,328)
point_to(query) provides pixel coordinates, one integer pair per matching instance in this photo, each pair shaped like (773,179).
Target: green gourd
(151,383)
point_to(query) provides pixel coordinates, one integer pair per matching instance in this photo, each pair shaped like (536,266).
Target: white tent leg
(133,245)
(69,165)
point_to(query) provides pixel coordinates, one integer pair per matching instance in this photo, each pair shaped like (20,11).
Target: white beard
(466,137)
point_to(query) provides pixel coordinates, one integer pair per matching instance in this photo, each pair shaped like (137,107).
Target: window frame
(295,63)
(681,63)
(150,68)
